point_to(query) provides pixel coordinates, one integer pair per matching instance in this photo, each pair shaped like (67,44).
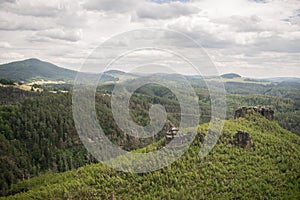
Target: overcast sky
(255,38)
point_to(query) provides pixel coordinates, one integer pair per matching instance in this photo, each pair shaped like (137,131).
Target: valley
(43,157)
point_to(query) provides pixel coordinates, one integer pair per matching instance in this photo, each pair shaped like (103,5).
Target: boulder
(242,139)
(265,111)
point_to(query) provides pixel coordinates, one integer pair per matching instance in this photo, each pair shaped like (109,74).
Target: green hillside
(269,170)
(230,75)
(37,133)
(33,69)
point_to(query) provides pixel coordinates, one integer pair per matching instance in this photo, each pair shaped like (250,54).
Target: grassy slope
(269,170)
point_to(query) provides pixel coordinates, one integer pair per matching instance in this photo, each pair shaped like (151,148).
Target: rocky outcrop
(242,139)
(265,111)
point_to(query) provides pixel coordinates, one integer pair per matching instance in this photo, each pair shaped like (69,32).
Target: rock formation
(242,139)
(267,112)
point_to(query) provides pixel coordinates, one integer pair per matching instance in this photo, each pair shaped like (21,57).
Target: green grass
(269,170)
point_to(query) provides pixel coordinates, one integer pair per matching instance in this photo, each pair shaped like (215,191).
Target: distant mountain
(115,72)
(231,75)
(283,79)
(35,69)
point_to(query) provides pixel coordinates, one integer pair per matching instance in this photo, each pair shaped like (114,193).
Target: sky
(255,38)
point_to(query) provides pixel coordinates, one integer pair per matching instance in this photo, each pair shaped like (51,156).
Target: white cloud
(11,55)
(59,34)
(165,11)
(7,1)
(119,6)
(5,45)
(247,36)
(34,8)
(14,22)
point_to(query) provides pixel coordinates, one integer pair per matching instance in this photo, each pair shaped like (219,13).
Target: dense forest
(38,134)
(268,170)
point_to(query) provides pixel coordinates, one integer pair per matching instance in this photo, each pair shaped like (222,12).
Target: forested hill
(38,133)
(33,68)
(230,76)
(269,169)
